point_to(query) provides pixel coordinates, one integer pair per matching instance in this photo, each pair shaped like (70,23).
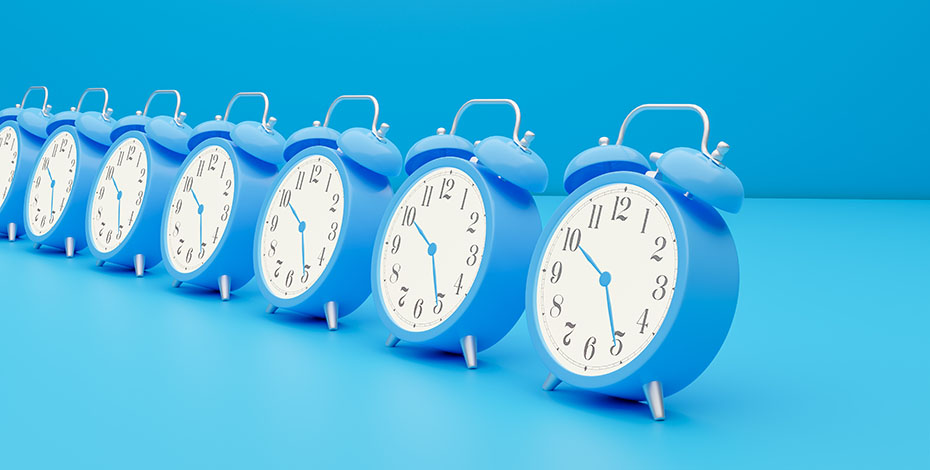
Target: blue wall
(817,99)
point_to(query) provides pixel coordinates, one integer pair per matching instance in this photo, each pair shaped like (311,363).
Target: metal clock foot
(470,350)
(138,262)
(100,263)
(271,309)
(332,315)
(551,383)
(392,341)
(224,287)
(69,247)
(11,231)
(176,284)
(654,398)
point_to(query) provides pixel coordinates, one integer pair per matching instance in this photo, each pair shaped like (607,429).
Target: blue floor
(826,365)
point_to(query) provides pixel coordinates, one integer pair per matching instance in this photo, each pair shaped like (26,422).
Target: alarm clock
(22,133)
(56,201)
(208,226)
(454,247)
(633,284)
(131,187)
(316,232)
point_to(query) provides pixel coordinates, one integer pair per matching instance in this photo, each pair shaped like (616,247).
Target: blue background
(817,99)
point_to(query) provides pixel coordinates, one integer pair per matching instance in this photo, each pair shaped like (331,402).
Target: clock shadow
(435,358)
(302,321)
(586,400)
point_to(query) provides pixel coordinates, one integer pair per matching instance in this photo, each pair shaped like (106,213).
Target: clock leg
(470,350)
(100,263)
(551,383)
(11,231)
(138,262)
(392,341)
(69,247)
(224,287)
(176,284)
(271,309)
(654,398)
(37,245)
(332,315)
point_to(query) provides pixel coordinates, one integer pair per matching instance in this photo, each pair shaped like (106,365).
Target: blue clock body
(91,133)
(254,153)
(29,126)
(165,144)
(366,192)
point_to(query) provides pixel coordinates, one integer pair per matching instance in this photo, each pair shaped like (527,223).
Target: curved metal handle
(106,99)
(178,115)
(45,106)
(527,138)
(266,123)
(374,101)
(716,156)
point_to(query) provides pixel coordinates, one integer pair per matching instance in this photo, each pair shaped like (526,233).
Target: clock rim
(116,251)
(233,209)
(334,259)
(52,232)
(450,324)
(620,382)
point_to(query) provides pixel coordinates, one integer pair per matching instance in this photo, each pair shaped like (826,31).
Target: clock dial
(606,279)
(118,195)
(8,153)
(432,249)
(51,184)
(301,227)
(199,211)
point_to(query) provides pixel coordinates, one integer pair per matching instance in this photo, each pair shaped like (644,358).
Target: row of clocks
(629,290)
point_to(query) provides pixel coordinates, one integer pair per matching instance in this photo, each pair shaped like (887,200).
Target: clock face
(606,279)
(8,152)
(118,195)
(51,184)
(199,210)
(301,227)
(432,249)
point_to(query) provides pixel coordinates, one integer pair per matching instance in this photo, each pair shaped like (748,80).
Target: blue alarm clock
(454,247)
(209,218)
(22,133)
(316,232)
(633,284)
(56,202)
(129,194)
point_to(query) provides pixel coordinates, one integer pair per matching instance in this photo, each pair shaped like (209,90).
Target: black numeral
(620,206)
(556,308)
(556,272)
(572,239)
(660,242)
(595,221)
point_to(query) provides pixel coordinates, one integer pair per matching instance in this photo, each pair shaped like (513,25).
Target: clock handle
(267,123)
(45,106)
(522,143)
(106,99)
(379,133)
(717,155)
(178,115)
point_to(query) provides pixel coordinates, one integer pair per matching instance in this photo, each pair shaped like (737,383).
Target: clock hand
(301,226)
(199,214)
(119,204)
(603,280)
(51,205)
(431,251)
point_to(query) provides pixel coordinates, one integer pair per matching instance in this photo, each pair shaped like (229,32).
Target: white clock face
(606,279)
(118,195)
(8,153)
(200,209)
(301,227)
(432,249)
(51,185)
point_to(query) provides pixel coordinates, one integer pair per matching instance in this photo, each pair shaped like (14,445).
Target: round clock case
(164,140)
(28,135)
(504,171)
(255,150)
(689,184)
(90,131)
(364,159)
